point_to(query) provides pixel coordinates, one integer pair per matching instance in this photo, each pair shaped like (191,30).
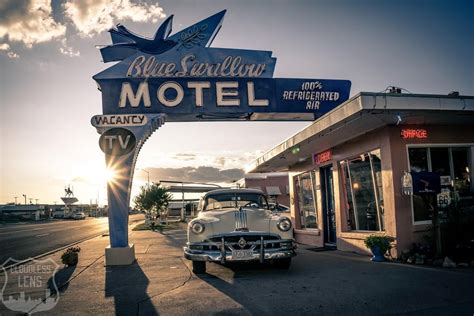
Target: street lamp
(16,197)
(148,174)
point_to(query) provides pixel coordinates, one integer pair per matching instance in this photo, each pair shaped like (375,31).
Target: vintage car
(237,225)
(79,215)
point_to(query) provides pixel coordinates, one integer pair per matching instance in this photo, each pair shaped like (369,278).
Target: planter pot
(378,255)
(70,258)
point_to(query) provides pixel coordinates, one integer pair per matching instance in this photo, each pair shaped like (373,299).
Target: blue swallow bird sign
(179,78)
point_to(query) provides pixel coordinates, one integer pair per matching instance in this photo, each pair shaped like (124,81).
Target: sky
(48,56)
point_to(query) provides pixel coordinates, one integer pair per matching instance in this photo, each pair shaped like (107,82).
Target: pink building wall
(397,207)
(267,180)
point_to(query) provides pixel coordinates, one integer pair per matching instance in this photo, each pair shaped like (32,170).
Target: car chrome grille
(251,241)
(248,237)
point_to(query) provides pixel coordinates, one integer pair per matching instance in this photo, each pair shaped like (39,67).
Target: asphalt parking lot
(328,282)
(160,282)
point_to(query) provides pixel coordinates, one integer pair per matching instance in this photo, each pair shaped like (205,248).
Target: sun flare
(109,174)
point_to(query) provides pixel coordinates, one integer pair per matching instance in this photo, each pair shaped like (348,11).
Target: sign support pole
(120,251)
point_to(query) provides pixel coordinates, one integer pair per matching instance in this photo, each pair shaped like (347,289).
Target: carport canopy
(363,113)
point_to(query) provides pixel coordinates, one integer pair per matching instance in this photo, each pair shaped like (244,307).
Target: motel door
(329,214)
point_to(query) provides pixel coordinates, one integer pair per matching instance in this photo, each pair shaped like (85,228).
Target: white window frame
(312,174)
(376,190)
(445,145)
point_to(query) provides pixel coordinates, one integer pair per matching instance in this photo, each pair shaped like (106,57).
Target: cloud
(185,156)
(13,55)
(220,160)
(29,22)
(6,48)
(195,174)
(67,50)
(94,16)
(80,179)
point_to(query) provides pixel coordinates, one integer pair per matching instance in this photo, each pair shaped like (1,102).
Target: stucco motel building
(346,169)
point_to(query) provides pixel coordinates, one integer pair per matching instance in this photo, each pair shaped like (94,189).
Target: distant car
(279,208)
(79,216)
(238,225)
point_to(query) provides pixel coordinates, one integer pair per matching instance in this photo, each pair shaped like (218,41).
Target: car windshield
(235,200)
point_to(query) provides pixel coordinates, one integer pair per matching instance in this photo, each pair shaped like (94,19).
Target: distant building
(190,207)
(22,211)
(274,184)
(44,211)
(93,210)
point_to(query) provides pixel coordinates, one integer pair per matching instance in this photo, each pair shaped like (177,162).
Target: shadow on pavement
(62,279)
(249,268)
(128,287)
(238,291)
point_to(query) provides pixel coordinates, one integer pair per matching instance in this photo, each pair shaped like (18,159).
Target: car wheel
(282,263)
(199,267)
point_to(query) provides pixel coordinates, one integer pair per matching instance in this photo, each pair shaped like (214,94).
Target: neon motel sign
(412,133)
(178,78)
(322,157)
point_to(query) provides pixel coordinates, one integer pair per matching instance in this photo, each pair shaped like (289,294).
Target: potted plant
(71,256)
(379,245)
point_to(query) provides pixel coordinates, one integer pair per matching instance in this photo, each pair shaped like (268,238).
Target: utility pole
(16,197)
(148,175)
(24,197)
(183,208)
(36,201)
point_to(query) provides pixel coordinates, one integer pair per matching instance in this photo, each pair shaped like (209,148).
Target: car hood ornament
(241,220)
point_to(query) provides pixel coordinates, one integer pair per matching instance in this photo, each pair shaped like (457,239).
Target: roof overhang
(361,114)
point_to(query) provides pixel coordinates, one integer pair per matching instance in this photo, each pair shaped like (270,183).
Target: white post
(182,202)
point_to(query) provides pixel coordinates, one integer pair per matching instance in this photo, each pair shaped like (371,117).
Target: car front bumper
(223,251)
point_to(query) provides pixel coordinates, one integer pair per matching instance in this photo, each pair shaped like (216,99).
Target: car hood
(230,220)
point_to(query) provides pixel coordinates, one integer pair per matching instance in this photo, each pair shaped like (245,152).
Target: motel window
(305,185)
(453,165)
(362,181)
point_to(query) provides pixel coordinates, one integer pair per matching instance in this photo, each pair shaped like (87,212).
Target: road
(24,240)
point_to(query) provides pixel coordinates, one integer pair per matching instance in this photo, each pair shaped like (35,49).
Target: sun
(109,174)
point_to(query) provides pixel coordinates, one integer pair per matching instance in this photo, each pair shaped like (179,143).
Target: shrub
(383,242)
(70,257)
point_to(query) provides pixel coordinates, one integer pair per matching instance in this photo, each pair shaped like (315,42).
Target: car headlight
(197,227)
(284,224)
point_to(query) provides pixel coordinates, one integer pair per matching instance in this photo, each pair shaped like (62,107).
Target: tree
(153,200)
